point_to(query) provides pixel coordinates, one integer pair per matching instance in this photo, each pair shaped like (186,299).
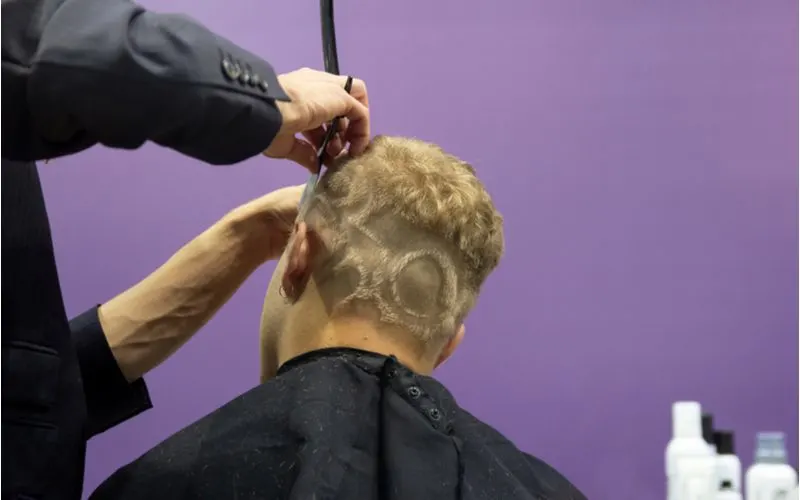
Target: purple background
(644,155)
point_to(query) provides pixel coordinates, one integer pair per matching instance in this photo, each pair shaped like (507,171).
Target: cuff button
(231,69)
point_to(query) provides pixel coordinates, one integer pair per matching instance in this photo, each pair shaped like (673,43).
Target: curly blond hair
(410,234)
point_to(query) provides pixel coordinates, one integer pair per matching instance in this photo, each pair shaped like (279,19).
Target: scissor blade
(308,192)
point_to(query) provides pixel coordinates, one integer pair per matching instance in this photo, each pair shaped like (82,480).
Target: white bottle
(691,468)
(726,492)
(770,477)
(729,468)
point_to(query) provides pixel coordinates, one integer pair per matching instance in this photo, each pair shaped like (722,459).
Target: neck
(356,333)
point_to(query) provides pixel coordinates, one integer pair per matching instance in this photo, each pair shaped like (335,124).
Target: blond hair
(411,235)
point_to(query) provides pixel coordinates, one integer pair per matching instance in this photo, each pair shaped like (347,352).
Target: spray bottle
(770,477)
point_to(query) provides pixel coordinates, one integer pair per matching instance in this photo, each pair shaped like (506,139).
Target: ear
(451,345)
(299,256)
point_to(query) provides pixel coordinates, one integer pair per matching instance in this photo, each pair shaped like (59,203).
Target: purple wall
(644,155)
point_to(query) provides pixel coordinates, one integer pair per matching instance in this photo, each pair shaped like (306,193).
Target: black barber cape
(339,424)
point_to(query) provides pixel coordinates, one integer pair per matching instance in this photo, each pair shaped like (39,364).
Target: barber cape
(339,424)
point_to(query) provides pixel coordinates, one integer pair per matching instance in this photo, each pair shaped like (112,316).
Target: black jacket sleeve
(110,399)
(82,72)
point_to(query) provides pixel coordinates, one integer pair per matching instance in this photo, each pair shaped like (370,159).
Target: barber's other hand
(317,98)
(263,225)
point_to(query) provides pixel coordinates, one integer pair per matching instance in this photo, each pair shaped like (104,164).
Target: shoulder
(553,479)
(533,472)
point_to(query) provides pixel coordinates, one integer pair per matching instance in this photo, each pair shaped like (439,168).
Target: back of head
(409,235)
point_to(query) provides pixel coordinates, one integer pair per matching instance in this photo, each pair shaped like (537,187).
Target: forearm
(147,323)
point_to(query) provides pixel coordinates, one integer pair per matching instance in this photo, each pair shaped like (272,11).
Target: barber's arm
(109,71)
(110,398)
(135,331)
(114,73)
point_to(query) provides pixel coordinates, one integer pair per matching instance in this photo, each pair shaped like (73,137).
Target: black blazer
(81,72)
(60,384)
(77,73)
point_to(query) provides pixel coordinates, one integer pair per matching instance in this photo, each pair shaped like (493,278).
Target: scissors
(331,58)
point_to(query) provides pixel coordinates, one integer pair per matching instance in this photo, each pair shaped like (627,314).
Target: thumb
(304,154)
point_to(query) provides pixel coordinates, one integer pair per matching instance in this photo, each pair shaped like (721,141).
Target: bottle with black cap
(726,492)
(707,423)
(729,468)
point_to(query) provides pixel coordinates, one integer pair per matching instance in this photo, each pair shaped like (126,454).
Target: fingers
(338,143)
(318,98)
(357,133)
(354,122)
(358,90)
(335,146)
(315,136)
(304,154)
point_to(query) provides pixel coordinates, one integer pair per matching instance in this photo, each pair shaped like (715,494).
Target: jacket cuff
(110,398)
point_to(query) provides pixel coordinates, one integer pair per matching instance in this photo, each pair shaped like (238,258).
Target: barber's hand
(317,98)
(264,224)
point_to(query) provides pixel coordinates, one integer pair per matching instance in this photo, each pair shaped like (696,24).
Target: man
(369,297)
(77,73)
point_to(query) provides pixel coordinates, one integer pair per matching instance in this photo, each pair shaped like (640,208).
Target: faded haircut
(410,235)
